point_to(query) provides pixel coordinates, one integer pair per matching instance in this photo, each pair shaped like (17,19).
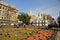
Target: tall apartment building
(8,13)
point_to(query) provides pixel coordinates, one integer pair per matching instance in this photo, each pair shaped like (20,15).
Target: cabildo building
(43,19)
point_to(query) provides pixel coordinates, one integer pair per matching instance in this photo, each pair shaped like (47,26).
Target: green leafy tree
(58,20)
(24,17)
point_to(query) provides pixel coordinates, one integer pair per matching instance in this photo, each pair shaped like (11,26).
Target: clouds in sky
(51,7)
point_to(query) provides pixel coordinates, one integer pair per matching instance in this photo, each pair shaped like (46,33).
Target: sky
(51,7)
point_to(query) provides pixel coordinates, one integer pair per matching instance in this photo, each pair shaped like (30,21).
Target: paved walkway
(58,35)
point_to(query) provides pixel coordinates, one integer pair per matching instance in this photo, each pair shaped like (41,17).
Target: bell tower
(30,13)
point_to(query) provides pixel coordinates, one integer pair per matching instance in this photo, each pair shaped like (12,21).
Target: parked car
(16,25)
(0,25)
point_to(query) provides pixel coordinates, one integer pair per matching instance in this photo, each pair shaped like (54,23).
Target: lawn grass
(11,33)
(7,26)
(15,33)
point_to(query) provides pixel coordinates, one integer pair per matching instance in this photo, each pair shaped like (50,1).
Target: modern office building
(8,13)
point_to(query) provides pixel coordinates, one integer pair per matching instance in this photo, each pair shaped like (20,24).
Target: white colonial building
(43,19)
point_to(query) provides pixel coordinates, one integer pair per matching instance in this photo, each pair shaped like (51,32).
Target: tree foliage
(24,17)
(58,19)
